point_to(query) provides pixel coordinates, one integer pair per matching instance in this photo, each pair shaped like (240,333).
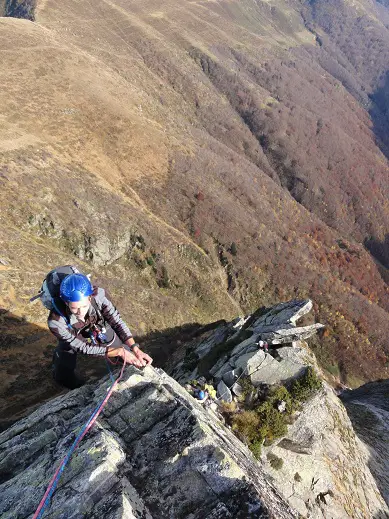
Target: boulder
(239,348)
(289,335)
(250,361)
(228,366)
(272,371)
(223,392)
(237,389)
(283,313)
(231,376)
(218,364)
(278,324)
(217,337)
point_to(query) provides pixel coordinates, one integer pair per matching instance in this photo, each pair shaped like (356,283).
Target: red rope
(88,425)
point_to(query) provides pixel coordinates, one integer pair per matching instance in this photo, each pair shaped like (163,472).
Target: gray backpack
(49,293)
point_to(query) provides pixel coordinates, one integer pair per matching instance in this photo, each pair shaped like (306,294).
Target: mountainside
(200,159)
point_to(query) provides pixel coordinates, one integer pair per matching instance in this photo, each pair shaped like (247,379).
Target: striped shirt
(73,334)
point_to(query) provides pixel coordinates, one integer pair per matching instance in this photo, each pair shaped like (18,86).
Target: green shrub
(272,422)
(256,447)
(306,386)
(281,394)
(150,261)
(163,280)
(247,424)
(276,463)
(265,423)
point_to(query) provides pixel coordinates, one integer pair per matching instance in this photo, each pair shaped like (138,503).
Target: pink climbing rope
(84,430)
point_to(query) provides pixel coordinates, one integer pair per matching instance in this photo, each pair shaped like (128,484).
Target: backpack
(49,293)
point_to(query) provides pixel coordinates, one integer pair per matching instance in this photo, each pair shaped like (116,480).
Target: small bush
(163,280)
(265,423)
(256,447)
(276,463)
(228,408)
(247,424)
(306,386)
(150,261)
(234,249)
(281,394)
(273,423)
(298,478)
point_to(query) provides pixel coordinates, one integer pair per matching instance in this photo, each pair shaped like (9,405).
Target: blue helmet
(75,287)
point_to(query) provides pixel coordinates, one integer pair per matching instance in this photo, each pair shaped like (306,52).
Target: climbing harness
(54,481)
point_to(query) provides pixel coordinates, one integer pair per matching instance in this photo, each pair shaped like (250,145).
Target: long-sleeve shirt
(69,330)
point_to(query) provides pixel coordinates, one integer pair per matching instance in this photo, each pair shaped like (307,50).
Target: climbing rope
(54,481)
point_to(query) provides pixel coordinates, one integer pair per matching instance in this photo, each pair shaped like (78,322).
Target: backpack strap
(100,317)
(56,305)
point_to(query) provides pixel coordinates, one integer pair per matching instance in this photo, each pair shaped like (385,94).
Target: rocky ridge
(324,470)
(157,452)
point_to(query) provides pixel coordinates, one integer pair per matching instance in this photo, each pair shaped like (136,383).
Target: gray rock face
(231,376)
(326,473)
(278,325)
(153,453)
(263,368)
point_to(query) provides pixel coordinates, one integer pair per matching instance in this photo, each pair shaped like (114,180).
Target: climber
(84,320)
(198,390)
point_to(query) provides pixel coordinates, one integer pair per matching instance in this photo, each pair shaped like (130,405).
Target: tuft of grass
(297,477)
(276,463)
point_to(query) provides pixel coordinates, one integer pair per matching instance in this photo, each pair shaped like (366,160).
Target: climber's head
(76,290)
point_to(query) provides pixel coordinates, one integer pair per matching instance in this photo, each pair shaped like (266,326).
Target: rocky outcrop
(368,409)
(238,343)
(154,453)
(320,466)
(278,324)
(326,471)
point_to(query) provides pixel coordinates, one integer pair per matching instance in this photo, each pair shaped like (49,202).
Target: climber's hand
(142,356)
(131,358)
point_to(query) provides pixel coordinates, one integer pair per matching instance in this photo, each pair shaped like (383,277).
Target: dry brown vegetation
(202,159)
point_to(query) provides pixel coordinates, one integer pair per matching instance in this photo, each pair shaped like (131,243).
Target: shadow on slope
(20,9)
(30,347)
(379,249)
(379,113)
